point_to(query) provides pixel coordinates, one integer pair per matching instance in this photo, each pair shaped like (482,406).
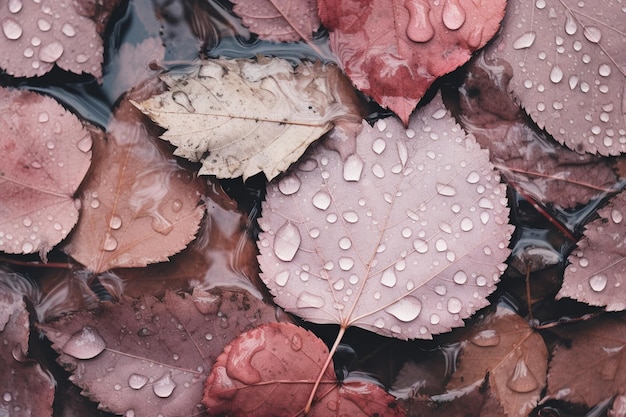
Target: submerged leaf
(406,237)
(46,152)
(569,69)
(241,117)
(269,371)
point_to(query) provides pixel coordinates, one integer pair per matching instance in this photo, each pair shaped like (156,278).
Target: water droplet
(467,224)
(453,15)
(346,263)
(570,25)
(522,380)
(604,70)
(306,299)
(296,342)
(12,30)
(388,278)
(81,58)
(446,190)
(84,145)
(15,6)
(454,305)
(419,28)
(182,99)
(164,386)
(321,200)
(439,114)
(540,4)
(339,284)
(378,170)
(110,243)
(379,146)
(331,218)
(434,319)
(420,246)
(175,356)
(115,222)
(526,40)
(27,247)
(473,177)
(556,74)
(407,309)
(43,25)
(286,242)
(474,40)
(486,338)
(460,277)
(7,397)
(345,243)
(592,34)
(85,344)
(289,184)
(51,52)
(441,245)
(117,387)
(281,278)
(208,337)
(406,232)
(616,216)
(350,216)
(352,168)
(136,381)
(35,41)
(598,282)
(68,30)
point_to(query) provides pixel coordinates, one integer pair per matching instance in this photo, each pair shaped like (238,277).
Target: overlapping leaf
(241,117)
(270,370)
(406,237)
(596,272)
(46,152)
(153,356)
(569,69)
(393,51)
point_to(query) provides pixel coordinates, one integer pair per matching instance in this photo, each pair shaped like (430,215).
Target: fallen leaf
(527,156)
(569,61)
(514,356)
(595,274)
(46,152)
(241,117)
(270,370)
(591,368)
(139,206)
(394,52)
(405,238)
(152,356)
(27,389)
(279,20)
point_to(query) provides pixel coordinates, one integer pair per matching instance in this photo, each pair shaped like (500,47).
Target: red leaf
(394,52)
(271,370)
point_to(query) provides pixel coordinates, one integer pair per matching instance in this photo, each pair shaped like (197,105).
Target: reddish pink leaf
(393,51)
(271,370)
(46,152)
(279,20)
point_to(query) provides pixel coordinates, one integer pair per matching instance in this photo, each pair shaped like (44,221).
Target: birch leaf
(242,117)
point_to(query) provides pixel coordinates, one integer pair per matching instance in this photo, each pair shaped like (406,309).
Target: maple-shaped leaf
(595,274)
(139,206)
(525,155)
(394,51)
(591,367)
(37,35)
(27,389)
(152,356)
(270,370)
(569,61)
(406,237)
(46,152)
(242,117)
(279,20)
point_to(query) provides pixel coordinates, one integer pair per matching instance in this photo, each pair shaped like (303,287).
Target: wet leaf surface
(406,237)
(270,371)
(46,152)
(240,117)
(568,66)
(152,356)
(394,52)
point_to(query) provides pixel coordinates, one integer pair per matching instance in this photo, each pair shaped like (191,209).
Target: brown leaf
(152,356)
(569,61)
(514,356)
(393,51)
(46,152)
(405,238)
(139,206)
(271,370)
(595,274)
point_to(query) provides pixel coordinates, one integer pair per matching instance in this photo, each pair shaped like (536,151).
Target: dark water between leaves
(190,30)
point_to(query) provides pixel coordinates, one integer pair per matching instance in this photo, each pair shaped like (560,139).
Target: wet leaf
(152,356)
(514,356)
(25,388)
(596,272)
(394,52)
(241,117)
(270,371)
(46,152)
(139,206)
(590,367)
(526,156)
(405,238)
(569,65)
(282,20)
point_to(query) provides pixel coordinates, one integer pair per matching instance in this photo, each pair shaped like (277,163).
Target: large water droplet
(15,6)
(604,70)
(346,263)
(420,246)
(441,245)
(182,99)
(68,30)
(164,386)
(407,309)
(467,224)
(136,381)
(526,40)
(522,380)
(598,282)
(289,184)
(592,34)
(43,25)
(296,342)
(12,30)
(454,305)
(388,278)
(446,190)
(352,168)
(350,216)
(453,15)
(460,278)
(321,200)
(379,146)
(85,344)
(110,243)
(419,28)
(570,25)
(616,216)
(281,278)
(51,52)
(486,338)
(345,243)
(85,144)
(286,242)
(306,299)
(556,74)
(115,222)
(378,170)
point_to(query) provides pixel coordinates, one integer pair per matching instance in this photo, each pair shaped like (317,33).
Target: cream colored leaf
(242,117)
